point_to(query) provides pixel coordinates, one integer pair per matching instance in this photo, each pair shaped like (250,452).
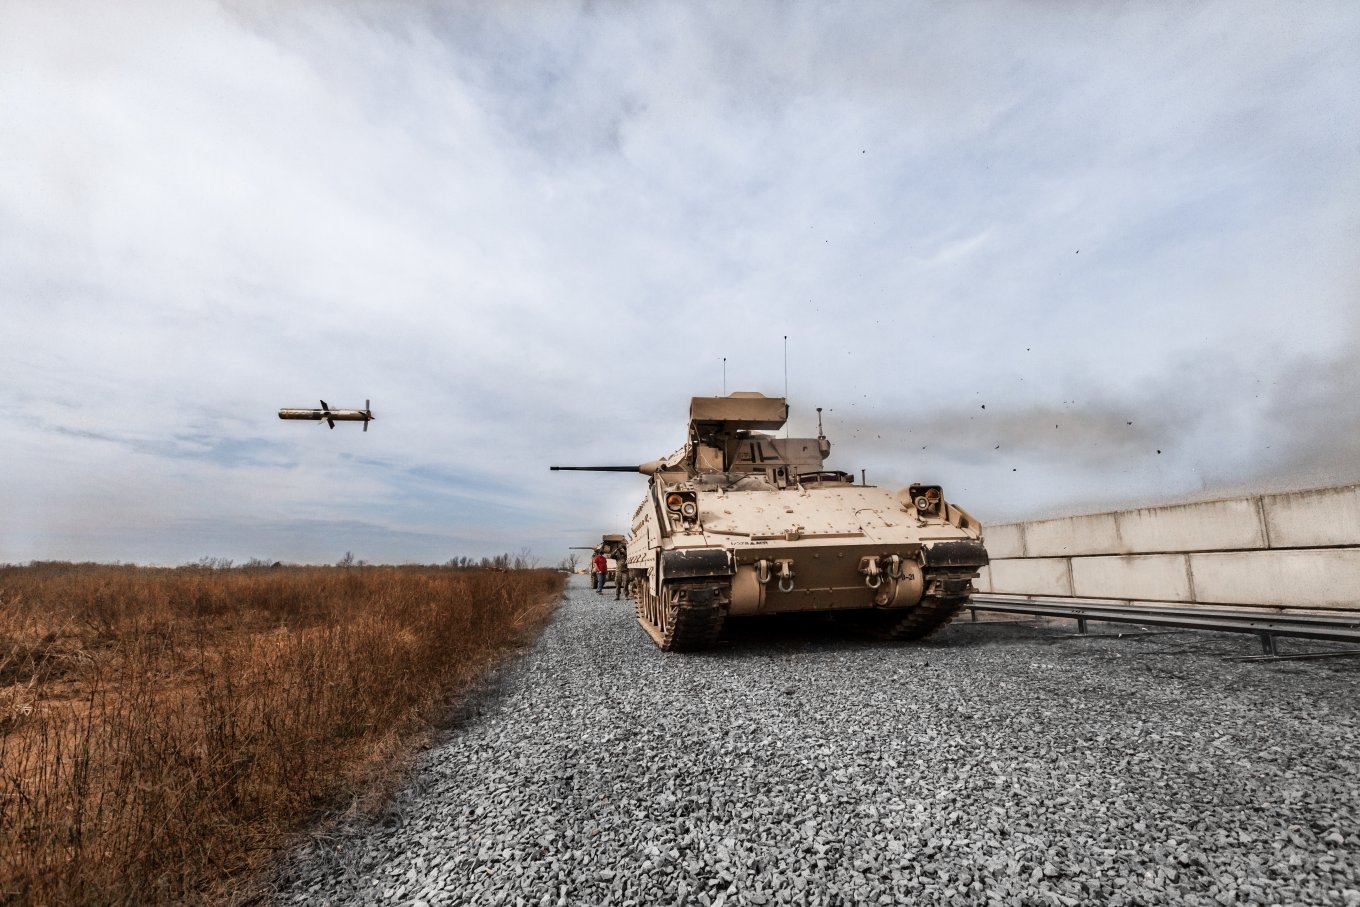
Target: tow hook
(785,574)
(869,567)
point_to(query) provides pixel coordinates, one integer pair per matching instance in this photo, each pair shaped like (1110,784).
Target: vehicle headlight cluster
(927,499)
(684,504)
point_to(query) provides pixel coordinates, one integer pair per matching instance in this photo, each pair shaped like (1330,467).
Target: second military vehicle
(614,547)
(739,522)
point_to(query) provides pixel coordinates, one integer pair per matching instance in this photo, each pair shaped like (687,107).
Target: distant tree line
(523,560)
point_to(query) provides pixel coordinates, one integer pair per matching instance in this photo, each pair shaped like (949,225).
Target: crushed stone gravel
(992,764)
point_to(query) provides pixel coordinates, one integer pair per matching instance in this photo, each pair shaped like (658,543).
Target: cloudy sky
(1056,256)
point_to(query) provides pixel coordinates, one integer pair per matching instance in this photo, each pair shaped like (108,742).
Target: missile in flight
(330,416)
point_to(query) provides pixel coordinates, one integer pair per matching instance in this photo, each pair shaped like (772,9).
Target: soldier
(620,570)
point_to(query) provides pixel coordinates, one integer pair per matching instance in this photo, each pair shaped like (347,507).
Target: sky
(1057,257)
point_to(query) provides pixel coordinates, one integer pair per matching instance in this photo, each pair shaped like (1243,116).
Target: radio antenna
(724,376)
(786,366)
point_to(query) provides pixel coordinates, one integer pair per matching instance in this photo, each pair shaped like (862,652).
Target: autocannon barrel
(597,468)
(647,469)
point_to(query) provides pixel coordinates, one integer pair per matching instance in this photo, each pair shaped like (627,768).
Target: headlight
(689,510)
(926,499)
(673,501)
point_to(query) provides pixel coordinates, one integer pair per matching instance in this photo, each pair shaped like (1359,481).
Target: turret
(727,435)
(729,441)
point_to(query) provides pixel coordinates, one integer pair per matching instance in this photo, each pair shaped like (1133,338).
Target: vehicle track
(799,764)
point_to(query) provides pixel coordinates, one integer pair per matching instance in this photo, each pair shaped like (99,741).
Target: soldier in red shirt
(599,570)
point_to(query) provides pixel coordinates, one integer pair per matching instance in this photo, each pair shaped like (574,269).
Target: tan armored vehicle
(614,547)
(739,523)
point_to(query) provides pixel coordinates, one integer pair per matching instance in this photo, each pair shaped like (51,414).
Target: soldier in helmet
(620,570)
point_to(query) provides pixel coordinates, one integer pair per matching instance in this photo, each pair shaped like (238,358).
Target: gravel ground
(799,765)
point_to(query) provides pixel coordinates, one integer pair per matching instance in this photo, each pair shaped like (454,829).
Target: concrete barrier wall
(1295,550)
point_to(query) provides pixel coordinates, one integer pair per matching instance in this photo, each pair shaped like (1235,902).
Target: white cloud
(529,235)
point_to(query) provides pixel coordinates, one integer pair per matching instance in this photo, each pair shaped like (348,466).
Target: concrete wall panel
(1031,576)
(983,583)
(1093,534)
(1005,540)
(1211,526)
(1321,578)
(1155,577)
(1303,519)
(1312,562)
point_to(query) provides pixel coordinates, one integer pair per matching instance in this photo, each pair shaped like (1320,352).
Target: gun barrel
(596,468)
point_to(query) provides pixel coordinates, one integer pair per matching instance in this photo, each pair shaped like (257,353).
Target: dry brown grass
(163,731)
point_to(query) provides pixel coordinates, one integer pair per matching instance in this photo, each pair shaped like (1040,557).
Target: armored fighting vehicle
(739,522)
(614,547)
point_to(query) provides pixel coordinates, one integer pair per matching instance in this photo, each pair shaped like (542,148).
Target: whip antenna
(724,376)
(786,382)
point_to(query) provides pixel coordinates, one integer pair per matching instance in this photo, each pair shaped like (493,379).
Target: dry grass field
(164,731)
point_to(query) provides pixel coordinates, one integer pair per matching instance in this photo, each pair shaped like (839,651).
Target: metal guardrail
(1341,627)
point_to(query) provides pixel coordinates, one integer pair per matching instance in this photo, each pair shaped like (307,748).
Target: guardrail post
(1267,644)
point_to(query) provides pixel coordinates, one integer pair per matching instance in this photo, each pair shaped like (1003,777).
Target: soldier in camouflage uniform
(620,570)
